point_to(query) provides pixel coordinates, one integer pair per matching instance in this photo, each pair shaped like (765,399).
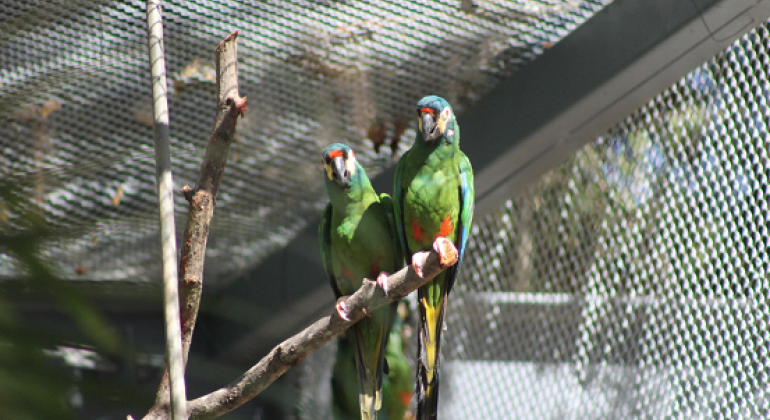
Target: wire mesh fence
(631,282)
(76,115)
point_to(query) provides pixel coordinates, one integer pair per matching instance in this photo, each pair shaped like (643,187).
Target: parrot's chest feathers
(358,243)
(431,204)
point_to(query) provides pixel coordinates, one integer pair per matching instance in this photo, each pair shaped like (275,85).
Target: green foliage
(32,384)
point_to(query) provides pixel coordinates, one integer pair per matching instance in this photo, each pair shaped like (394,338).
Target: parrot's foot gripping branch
(446,251)
(342,310)
(382,281)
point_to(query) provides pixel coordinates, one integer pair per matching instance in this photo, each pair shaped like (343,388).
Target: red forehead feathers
(335,153)
(428,110)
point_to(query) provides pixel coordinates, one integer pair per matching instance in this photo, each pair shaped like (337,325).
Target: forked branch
(289,353)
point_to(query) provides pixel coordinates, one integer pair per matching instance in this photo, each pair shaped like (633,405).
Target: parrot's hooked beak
(430,130)
(340,173)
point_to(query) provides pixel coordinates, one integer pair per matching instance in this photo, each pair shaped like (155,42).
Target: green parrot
(433,195)
(397,386)
(357,240)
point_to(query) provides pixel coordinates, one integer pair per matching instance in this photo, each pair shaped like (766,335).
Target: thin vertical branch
(174,356)
(202,199)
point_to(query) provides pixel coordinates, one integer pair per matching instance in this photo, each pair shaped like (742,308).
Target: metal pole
(174,357)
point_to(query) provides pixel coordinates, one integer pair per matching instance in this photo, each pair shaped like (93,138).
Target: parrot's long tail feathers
(370,356)
(367,409)
(429,348)
(427,402)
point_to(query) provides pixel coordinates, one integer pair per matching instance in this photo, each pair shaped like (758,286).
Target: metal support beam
(604,70)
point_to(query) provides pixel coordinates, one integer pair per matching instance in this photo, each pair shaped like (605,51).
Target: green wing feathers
(390,210)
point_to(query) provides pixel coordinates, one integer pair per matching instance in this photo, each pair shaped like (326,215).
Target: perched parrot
(397,388)
(357,240)
(433,195)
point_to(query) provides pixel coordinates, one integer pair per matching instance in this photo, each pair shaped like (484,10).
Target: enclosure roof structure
(76,113)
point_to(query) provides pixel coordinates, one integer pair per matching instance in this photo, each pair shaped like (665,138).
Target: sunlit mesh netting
(632,281)
(75,110)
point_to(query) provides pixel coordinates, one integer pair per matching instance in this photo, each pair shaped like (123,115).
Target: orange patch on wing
(416,231)
(405,397)
(335,153)
(428,110)
(375,270)
(446,227)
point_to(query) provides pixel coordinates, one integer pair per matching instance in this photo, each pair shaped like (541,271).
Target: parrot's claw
(342,311)
(418,262)
(447,255)
(446,250)
(382,281)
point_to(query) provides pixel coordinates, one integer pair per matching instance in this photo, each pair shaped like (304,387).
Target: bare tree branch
(292,351)
(174,358)
(202,199)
